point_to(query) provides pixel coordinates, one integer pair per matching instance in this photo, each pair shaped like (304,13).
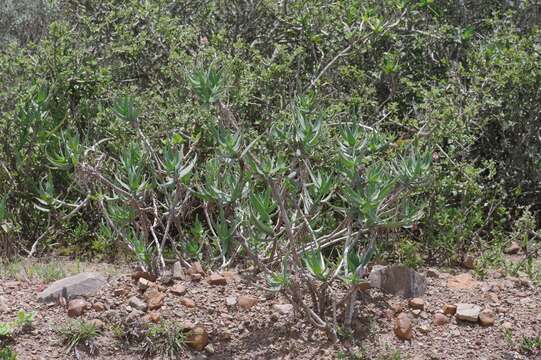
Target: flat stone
(283,308)
(189,303)
(247,302)
(83,284)
(178,271)
(137,303)
(449,309)
(217,279)
(468,312)
(178,289)
(398,280)
(417,303)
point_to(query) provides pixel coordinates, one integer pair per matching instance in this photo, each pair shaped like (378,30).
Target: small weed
(24,320)
(166,340)
(531,344)
(79,333)
(508,336)
(7,354)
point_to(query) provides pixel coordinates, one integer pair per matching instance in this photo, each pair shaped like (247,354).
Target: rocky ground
(228,316)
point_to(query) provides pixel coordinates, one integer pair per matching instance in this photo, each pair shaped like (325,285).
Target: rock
(398,280)
(144,284)
(77,307)
(178,289)
(4,308)
(403,327)
(416,312)
(134,315)
(98,324)
(231,276)
(462,281)
(178,271)
(98,307)
(154,298)
(440,319)
(513,248)
(283,309)
(198,338)
(449,309)
(507,325)
(217,279)
(431,273)
(231,301)
(166,278)
(397,308)
(153,316)
(187,302)
(137,303)
(143,274)
(469,262)
(83,284)
(247,302)
(417,303)
(196,277)
(467,312)
(487,317)
(196,268)
(425,329)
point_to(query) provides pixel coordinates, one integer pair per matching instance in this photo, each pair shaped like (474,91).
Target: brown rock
(513,248)
(417,303)
(487,317)
(440,319)
(154,298)
(196,268)
(144,284)
(143,274)
(98,307)
(77,307)
(469,262)
(231,276)
(198,338)
(153,316)
(449,309)
(397,308)
(187,302)
(217,279)
(196,277)
(247,302)
(462,281)
(403,327)
(98,324)
(178,290)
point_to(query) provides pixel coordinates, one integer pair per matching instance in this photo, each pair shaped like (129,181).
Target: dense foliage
(304,136)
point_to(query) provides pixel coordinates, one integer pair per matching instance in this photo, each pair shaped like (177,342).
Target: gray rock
(467,312)
(178,271)
(137,303)
(283,308)
(4,308)
(398,280)
(83,284)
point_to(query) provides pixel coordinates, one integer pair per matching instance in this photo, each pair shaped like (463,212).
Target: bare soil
(262,332)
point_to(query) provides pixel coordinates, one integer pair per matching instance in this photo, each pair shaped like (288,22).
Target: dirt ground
(262,332)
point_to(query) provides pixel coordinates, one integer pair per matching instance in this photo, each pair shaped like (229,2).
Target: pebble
(449,309)
(440,319)
(189,303)
(283,308)
(468,312)
(217,279)
(77,307)
(198,338)
(417,303)
(487,317)
(403,327)
(247,302)
(137,303)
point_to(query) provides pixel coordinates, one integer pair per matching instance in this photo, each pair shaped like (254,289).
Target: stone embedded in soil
(462,281)
(178,289)
(178,271)
(144,284)
(403,327)
(98,307)
(4,308)
(196,277)
(513,248)
(137,303)
(154,298)
(507,325)
(98,324)
(189,303)
(469,262)
(397,308)
(231,300)
(77,307)
(440,319)
(398,280)
(196,268)
(217,279)
(134,315)
(247,302)
(83,284)
(487,317)
(198,338)
(431,273)
(152,316)
(417,303)
(283,309)
(468,312)
(449,309)
(143,274)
